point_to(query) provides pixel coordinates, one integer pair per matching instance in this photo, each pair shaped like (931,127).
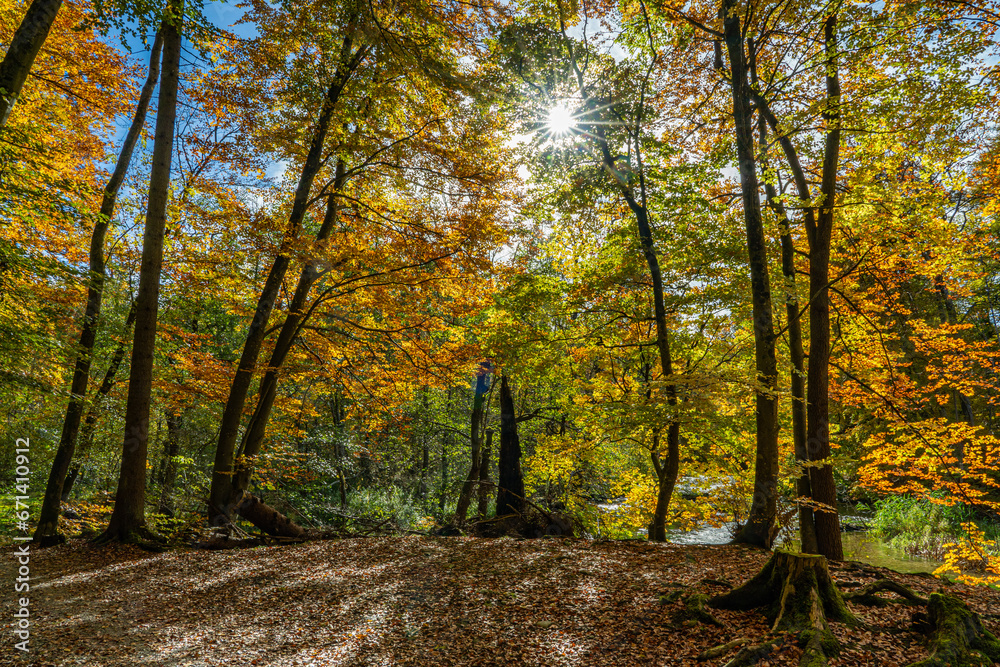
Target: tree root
(866,595)
(694,611)
(751,655)
(959,638)
(142,537)
(799,597)
(44,541)
(719,651)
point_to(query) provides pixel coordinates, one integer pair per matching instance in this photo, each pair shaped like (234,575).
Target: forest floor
(423,601)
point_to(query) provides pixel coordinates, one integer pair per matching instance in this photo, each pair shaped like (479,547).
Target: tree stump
(799,597)
(958,638)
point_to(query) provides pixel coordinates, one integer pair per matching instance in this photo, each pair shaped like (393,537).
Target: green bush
(918,526)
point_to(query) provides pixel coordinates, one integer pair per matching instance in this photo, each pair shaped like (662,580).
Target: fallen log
(265,517)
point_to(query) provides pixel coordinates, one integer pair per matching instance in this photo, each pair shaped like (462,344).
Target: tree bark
(90,422)
(796,352)
(510,483)
(128,519)
(268,519)
(824,489)
(221,495)
(24,47)
(819,231)
(48,520)
(763,509)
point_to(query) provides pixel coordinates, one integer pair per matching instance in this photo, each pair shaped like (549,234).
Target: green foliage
(920,526)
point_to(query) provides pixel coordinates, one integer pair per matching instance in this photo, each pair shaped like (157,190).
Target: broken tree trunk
(268,519)
(959,638)
(800,597)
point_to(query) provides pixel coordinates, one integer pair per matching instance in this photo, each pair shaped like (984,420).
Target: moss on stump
(799,597)
(958,638)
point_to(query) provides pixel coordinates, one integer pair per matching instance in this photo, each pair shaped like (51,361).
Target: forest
(701,295)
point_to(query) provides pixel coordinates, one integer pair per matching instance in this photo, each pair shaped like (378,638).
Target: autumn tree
(127,522)
(48,520)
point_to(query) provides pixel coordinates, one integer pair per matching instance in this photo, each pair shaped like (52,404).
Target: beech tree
(127,522)
(47,529)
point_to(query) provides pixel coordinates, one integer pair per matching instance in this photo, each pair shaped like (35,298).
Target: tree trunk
(47,531)
(763,509)
(90,422)
(796,352)
(484,474)
(799,597)
(170,451)
(819,230)
(221,495)
(824,489)
(127,519)
(445,442)
(803,485)
(24,47)
(476,439)
(253,439)
(265,517)
(510,484)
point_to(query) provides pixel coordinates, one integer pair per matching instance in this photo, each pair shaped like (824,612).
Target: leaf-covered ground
(423,601)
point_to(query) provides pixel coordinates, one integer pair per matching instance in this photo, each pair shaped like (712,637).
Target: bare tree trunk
(476,438)
(763,509)
(47,531)
(221,496)
(24,47)
(128,520)
(803,485)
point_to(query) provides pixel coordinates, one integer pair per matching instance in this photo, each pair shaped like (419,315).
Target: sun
(561,120)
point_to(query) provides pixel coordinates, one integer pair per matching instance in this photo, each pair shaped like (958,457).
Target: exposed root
(866,595)
(959,638)
(719,651)
(694,611)
(142,537)
(751,655)
(799,597)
